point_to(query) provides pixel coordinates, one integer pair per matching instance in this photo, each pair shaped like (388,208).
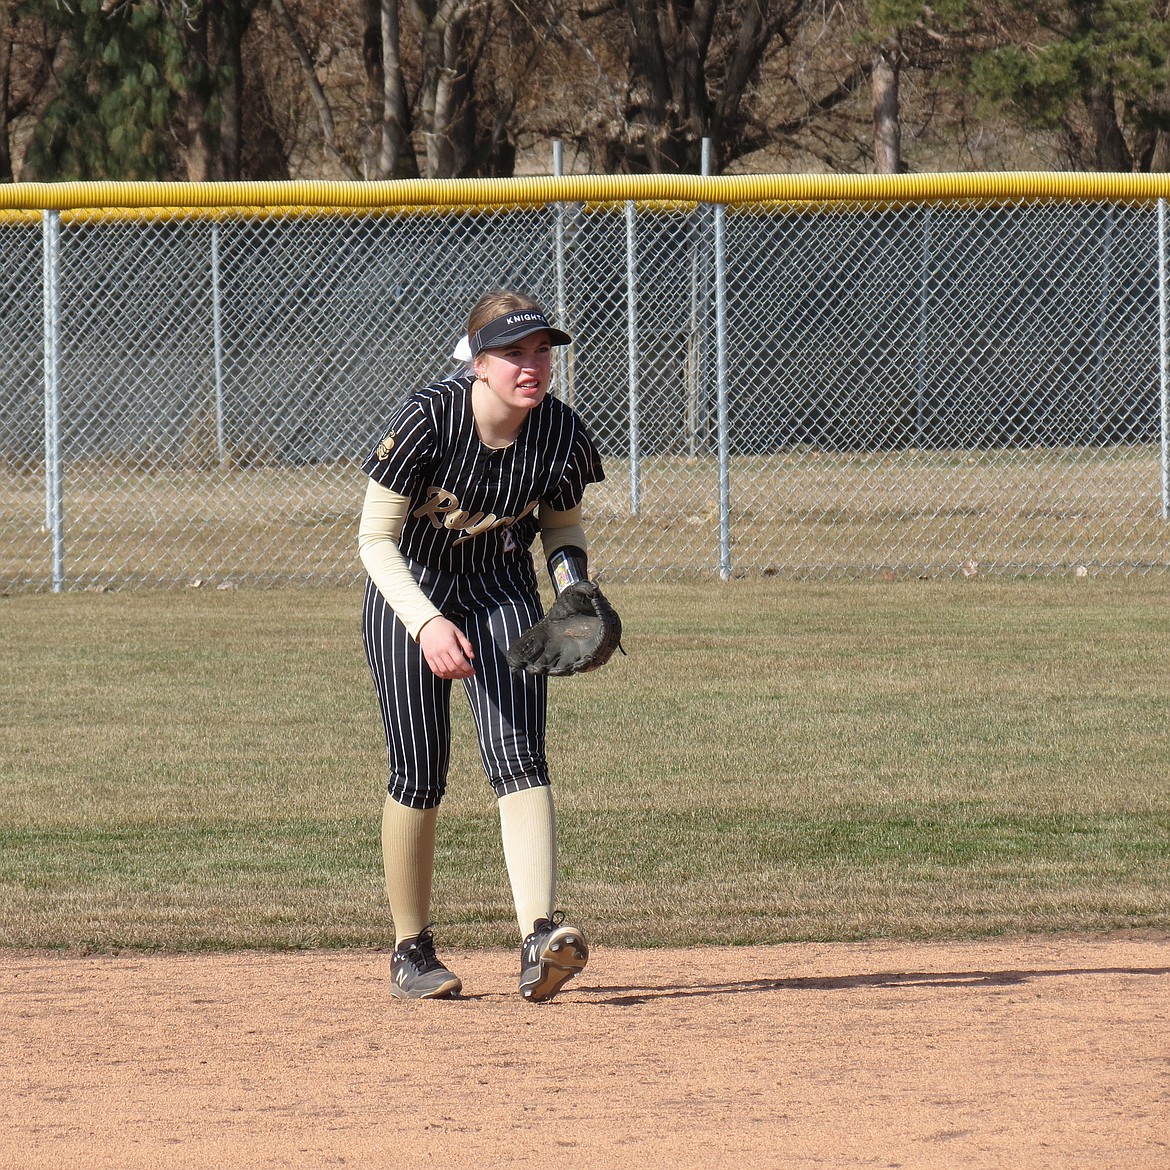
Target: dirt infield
(1024,1053)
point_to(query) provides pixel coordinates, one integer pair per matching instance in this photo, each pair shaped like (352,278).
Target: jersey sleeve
(582,468)
(406,448)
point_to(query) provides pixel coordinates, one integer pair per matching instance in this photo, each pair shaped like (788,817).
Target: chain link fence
(808,390)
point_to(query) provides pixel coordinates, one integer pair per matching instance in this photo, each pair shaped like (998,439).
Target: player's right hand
(446,648)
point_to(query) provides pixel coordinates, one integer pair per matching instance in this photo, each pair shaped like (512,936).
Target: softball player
(468,472)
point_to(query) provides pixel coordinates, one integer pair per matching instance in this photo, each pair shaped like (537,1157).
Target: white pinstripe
(509,709)
(436,446)
(479,576)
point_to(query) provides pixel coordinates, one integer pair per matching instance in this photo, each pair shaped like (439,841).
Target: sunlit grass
(772,761)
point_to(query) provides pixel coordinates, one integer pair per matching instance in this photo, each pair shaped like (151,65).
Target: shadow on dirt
(632,996)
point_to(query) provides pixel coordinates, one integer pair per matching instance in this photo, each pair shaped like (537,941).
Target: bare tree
(854,63)
(388,153)
(445,93)
(320,99)
(445,79)
(887,125)
(689,72)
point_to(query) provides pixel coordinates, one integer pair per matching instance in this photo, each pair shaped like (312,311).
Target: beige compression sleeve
(560,529)
(383,514)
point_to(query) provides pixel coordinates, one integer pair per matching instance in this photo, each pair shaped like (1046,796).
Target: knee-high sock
(408,854)
(529,833)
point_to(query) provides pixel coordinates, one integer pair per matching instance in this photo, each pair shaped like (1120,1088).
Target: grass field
(773,761)
(800,513)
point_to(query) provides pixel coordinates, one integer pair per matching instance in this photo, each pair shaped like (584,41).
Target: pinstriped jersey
(472,508)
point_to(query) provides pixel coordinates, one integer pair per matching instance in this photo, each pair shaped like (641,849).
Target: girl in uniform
(469,471)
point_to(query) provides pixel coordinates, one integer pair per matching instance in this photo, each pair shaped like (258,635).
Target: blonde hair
(495,304)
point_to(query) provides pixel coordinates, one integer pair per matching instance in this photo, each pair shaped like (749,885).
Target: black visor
(512,327)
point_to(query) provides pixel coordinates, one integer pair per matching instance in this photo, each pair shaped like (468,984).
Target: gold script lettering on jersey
(443,510)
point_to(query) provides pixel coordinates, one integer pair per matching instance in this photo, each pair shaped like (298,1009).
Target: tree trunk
(387,150)
(887,126)
(5,92)
(446,103)
(316,92)
(233,23)
(1159,161)
(691,94)
(371,129)
(654,131)
(198,153)
(434,107)
(1111,151)
(397,154)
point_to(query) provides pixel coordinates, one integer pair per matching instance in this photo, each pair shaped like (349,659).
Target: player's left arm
(581,630)
(565,550)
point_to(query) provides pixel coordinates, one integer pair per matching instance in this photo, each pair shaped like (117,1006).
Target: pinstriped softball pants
(509,709)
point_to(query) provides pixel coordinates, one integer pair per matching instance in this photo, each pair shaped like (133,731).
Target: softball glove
(580,632)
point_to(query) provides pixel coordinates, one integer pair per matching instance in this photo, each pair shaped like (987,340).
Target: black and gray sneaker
(551,955)
(416,972)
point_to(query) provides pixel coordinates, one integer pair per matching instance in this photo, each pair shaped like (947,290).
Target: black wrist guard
(566,566)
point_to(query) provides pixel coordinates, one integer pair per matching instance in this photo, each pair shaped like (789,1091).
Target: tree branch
(592,8)
(840,93)
(324,112)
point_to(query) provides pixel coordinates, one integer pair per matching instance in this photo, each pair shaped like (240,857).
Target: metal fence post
(721,393)
(923,298)
(562,359)
(54,505)
(1105,277)
(1164,358)
(694,359)
(217,342)
(632,352)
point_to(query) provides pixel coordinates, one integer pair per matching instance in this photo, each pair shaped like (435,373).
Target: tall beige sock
(528,828)
(408,855)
